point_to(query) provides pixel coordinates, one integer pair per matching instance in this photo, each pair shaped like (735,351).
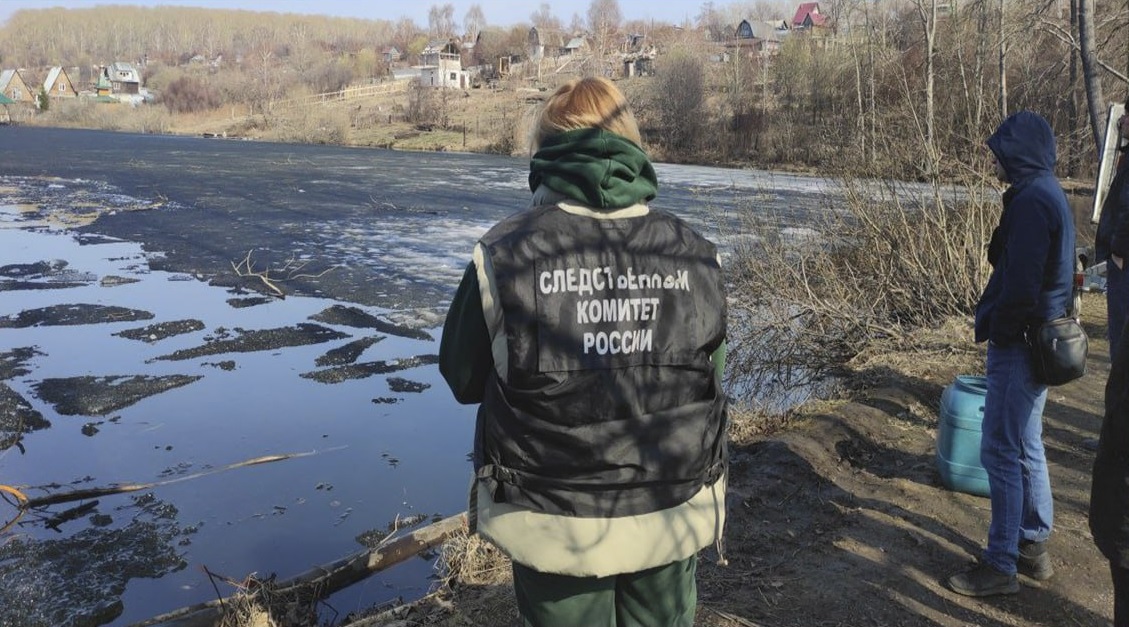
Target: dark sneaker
(982,581)
(1035,561)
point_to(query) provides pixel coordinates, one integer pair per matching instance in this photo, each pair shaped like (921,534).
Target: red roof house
(808,16)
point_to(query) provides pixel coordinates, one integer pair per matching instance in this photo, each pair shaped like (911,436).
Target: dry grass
(472,120)
(468,560)
(871,269)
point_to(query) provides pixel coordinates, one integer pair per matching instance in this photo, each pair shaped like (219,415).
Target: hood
(594,167)
(1024,144)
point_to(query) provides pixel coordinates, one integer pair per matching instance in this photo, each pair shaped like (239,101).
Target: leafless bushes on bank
(880,260)
(189,94)
(87,113)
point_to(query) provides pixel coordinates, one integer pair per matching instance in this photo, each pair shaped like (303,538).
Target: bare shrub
(85,113)
(425,105)
(188,94)
(680,102)
(314,124)
(879,261)
(329,77)
(148,119)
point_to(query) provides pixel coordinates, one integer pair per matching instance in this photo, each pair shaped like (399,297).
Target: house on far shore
(124,77)
(59,85)
(390,54)
(103,87)
(13,86)
(442,66)
(809,18)
(764,37)
(575,46)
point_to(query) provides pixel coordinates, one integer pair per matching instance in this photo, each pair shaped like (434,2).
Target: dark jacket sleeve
(1119,243)
(465,358)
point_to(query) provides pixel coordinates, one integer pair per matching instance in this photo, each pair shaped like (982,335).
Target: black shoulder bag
(1059,349)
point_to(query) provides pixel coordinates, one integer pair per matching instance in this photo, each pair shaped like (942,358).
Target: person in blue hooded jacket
(1032,258)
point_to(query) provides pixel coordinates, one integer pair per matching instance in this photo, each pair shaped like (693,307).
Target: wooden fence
(344,95)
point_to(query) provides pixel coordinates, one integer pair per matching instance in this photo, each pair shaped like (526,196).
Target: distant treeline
(905,88)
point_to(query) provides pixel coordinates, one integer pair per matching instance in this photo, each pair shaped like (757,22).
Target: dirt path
(842,519)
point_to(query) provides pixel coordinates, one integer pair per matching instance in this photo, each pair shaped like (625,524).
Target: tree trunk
(872,87)
(981,57)
(1074,147)
(1003,63)
(928,15)
(1095,99)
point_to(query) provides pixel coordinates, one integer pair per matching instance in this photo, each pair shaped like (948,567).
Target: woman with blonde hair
(591,330)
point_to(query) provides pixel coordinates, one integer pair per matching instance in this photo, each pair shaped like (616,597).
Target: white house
(443,67)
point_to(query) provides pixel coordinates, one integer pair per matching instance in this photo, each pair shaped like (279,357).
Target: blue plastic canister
(958,436)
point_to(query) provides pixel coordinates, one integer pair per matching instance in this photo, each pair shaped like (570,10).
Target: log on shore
(325,580)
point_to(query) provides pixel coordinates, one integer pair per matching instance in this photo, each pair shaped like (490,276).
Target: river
(114,250)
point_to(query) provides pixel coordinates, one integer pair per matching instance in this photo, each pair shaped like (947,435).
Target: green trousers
(665,596)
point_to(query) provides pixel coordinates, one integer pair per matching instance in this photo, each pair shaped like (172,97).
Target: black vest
(610,405)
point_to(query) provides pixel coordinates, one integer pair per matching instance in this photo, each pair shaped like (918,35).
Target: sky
(497,12)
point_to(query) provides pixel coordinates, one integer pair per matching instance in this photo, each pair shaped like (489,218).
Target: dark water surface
(128,355)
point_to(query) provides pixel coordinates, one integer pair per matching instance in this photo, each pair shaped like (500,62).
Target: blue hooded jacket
(1032,249)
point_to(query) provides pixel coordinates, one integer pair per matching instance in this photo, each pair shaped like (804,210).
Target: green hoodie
(591,166)
(594,167)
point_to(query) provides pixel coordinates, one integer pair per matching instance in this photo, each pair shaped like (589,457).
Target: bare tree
(927,15)
(710,20)
(604,18)
(474,21)
(1003,59)
(543,18)
(404,31)
(441,21)
(577,24)
(1073,111)
(1095,98)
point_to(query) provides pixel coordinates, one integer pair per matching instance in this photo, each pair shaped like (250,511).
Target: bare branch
(291,269)
(1068,38)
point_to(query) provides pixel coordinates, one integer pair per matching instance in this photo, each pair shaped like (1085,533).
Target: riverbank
(839,516)
(480,120)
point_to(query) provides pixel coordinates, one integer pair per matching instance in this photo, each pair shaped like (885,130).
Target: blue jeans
(1117,304)
(1011,450)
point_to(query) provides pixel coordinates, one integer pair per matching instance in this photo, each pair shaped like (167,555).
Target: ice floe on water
(182,378)
(145,376)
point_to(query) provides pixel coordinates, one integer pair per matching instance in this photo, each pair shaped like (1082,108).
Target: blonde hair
(592,102)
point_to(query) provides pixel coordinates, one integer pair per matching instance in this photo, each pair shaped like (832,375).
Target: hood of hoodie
(1024,144)
(594,167)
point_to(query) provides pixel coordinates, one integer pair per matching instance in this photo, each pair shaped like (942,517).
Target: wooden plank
(322,581)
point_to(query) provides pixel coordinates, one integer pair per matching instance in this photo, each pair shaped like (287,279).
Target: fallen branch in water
(292,269)
(21,502)
(78,495)
(322,581)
